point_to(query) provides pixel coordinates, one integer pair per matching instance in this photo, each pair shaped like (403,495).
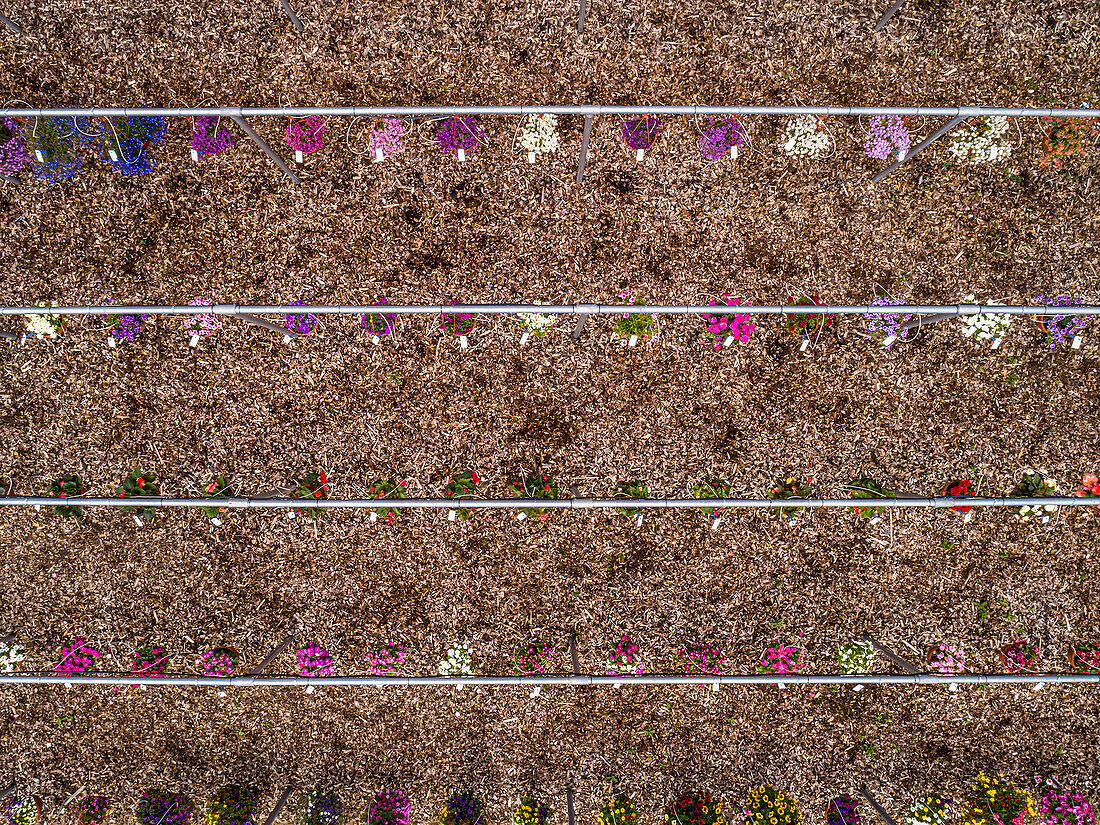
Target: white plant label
(309,688)
(733,152)
(217,522)
(727,342)
(714,524)
(194,155)
(291,514)
(889,340)
(641,152)
(111,342)
(195,340)
(521,517)
(714,686)
(373,517)
(459,687)
(639,519)
(617,684)
(137,521)
(996,343)
(953,687)
(298,156)
(38,507)
(1076,342)
(967,517)
(114,157)
(902,156)
(450,515)
(857,688)
(523,338)
(462,342)
(780,685)
(531,157)
(875,520)
(461,155)
(1039,686)
(378,156)
(633,342)
(286,339)
(375,339)
(805,344)
(38,154)
(537,691)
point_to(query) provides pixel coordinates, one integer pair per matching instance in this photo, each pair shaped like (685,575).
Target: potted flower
(1034,484)
(51,147)
(314,661)
(532,811)
(931,809)
(536,657)
(457,325)
(711,488)
(314,487)
(855,659)
(1021,656)
(458,661)
(1068,136)
(985,141)
(13,150)
(67,486)
(388,660)
(887,135)
(320,807)
(767,806)
(961,488)
(694,809)
(946,659)
(149,661)
(535,486)
(386,138)
(389,808)
(989,326)
(625,661)
(639,134)
(631,490)
(537,324)
(888,327)
(459,135)
(618,810)
(127,141)
(462,486)
(461,808)
(10,657)
(300,323)
(721,136)
(633,327)
(201,324)
(804,137)
(994,800)
(125,328)
(788,488)
(803,325)
(1090,488)
(387,488)
(844,810)
(868,488)
(1059,327)
(539,135)
(1060,806)
(218,488)
(780,661)
(76,658)
(698,659)
(46,325)
(157,807)
(232,805)
(221,661)
(725,328)
(209,136)
(1084,658)
(377,324)
(24,810)
(305,136)
(139,485)
(92,810)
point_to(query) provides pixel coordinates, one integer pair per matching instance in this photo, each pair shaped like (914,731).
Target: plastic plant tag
(537,691)
(309,688)
(733,153)
(114,157)
(617,684)
(111,342)
(1076,342)
(298,156)
(996,343)
(521,517)
(38,507)
(889,340)
(375,339)
(875,520)
(805,345)
(641,153)
(714,686)
(714,524)
(378,156)
(137,521)
(531,157)
(1038,686)
(38,154)
(450,515)
(780,685)
(287,339)
(633,342)
(459,687)
(291,514)
(462,342)
(217,522)
(461,155)
(727,341)
(373,517)
(523,338)
(195,340)
(639,519)
(967,517)
(857,688)
(953,687)
(194,155)
(902,156)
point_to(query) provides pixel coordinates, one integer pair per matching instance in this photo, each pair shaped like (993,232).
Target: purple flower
(302,323)
(888,324)
(306,135)
(719,137)
(886,135)
(456,133)
(209,136)
(127,327)
(13,149)
(1061,328)
(640,133)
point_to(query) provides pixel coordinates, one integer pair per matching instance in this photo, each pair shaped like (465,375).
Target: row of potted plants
(1022,655)
(726,326)
(464,489)
(989,799)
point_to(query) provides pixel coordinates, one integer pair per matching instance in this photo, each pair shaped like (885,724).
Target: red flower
(324,478)
(474,478)
(316,493)
(141,481)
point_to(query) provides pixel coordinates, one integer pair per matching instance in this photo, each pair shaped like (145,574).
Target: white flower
(987,326)
(47,325)
(855,657)
(983,142)
(458,661)
(802,137)
(10,656)
(537,323)
(539,134)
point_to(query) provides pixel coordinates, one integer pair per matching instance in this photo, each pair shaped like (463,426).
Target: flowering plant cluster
(138,485)
(321,808)
(389,808)
(149,661)
(22,810)
(1062,328)
(388,135)
(462,486)
(947,659)
(532,811)
(887,134)
(804,137)
(767,806)
(1020,657)
(538,324)
(635,326)
(301,323)
(618,811)
(855,658)
(10,656)
(843,811)
(92,810)
(52,149)
(462,808)
(699,659)
(232,805)
(723,329)
(961,488)
(864,488)
(535,486)
(218,488)
(996,801)
(985,327)
(888,327)
(68,486)
(711,488)
(314,661)
(387,660)
(694,809)
(387,488)
(1034,485)
(209,136)
(157,807)
(457,323)
(203,323)
(458,661)
(539,134)
(929,810)
(983,142)
(780,661)
(535,657)
(720,136)
(456,133)
(46,325)
(1090,488)
(625,661)
(630,489)
(804,324)
(307,135)
(13,149)
(1063,807)
(126,327)
(76,658)
(642,132)
(1084,658)
(312,486)
(128,139)
(789,488)
(1067,137)
(221,661)
(378,323)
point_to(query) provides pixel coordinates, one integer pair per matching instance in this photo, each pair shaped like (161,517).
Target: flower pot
(1077,663)
(234,654)
(1013,666)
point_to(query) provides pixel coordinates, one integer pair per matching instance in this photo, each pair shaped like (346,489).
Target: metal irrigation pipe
(574,680)
(247,503)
